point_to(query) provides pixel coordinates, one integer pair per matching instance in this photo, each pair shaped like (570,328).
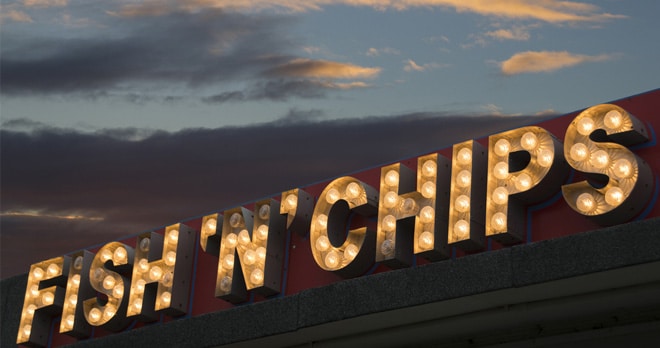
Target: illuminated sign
(479,195)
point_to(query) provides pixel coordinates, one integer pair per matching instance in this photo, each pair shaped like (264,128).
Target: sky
(118,116)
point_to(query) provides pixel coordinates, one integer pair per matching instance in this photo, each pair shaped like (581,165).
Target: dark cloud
(169,177)
(275,90)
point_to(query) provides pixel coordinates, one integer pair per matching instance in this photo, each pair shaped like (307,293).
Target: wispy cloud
(546,61)
(45,3)
(374,52)
(301,67)
(410,66)
(13,15)
(516,33)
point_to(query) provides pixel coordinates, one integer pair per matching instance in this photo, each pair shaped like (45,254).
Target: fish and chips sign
(476,196)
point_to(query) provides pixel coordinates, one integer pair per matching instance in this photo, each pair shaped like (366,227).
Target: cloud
(45,3)
(301,67)
(515,33)
(410,65)
(546,61)
(137,185)
(553,11)
(374,52)
(14,15)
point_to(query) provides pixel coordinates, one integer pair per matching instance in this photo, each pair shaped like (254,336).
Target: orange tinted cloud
(546,61)
(44,3)
(14,15)
(323,69)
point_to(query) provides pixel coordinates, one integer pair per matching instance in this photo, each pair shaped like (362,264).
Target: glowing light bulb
(31,308)
(502,147)
(392,178)
(166,297)
(144,244)
(70,319)
(264,212)
(613,119)
(462,203)
(498,221)
(250,257)
(137,305)
(614,196)
(425,240)
(529,141)
(262,232)
(257,277)
(523,182)
(429,168)
(332,259)
(106,255)
(225,283)
(391,199)
(109,312)
(231,240)
(140,284)
(586,203)
(48,298)
(408,205)
(461,229)
(544,158)
(173,236)
(600,159)
(244,237)
(428,189)
(73,299)
(170,258)
(235,220)
(464,156)
(211,225)
(75,279)
(427,214)
(579,152)
(27,329)
(500,195)
(34,290)
(332,196)
(37,273)
(322,220)
(109,282)
(291,201)
(353,190)
(98,274)
(228,261)
(463,178)
(501,170)
(585,126)
(168,279)
(387,247)
(53,270)
(389,223)
(118,291)
(143,265)
(351,252)
(155,273)
(322,243)
(622,168)
(78,263)
(119,255)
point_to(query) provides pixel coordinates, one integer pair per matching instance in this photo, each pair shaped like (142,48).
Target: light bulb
(408,205)
(98,274)
(332,196)
(170,258)
(168,279)
(231,239)
(613,119)
(137,305)
(322,220)
(322,243)
(48,298)
(463,178)
(143,265)
(225,283)
(501,170)
(228,261)
(250,257)
(464,156)
(622,168)
(391,199)
(387,247)
(332,259)
(502,147)
(428,189)
(31,308)
(139,285)
(427,214)
(264,212)
(27,329)
(244,237)
(500,195)
(235,220)
(585,126)
(37,273)
(257,277)
(429,168)
(106,255)
(498,220)
(523,182)
(425,240)
(73,299)
(173,236)
(53,270)
(109,282)
(119,255)
(586,203)
(166,297)
(614,196)
(461,229)
(351,252)
(353,190)
(211,225)
(109,312)
(544,158)
(155,273)
(144,244)
(76,279)
(261,253)
(529,141)
(291,201)
(70,319)
(600,159)
(392,178)
(389,223)
(118,291)
(34,290)
(262,232)
(579,152)
(78,263)
(462,203)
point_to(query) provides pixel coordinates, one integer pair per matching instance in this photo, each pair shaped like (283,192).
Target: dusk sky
(119,116)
